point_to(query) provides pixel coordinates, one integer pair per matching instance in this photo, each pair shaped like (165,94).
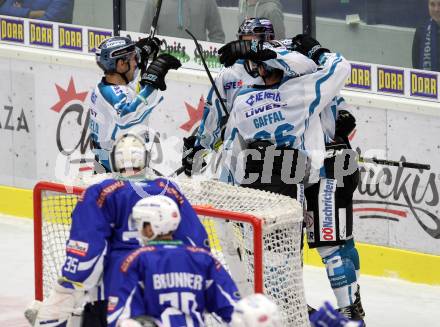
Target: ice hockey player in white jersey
(231,79)
(173,283)
(103,232)
(276,114)
(329,213)
(116,104)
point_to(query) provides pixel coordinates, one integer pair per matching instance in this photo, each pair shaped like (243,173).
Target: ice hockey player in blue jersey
(167,280)
(116,104)
(103,232)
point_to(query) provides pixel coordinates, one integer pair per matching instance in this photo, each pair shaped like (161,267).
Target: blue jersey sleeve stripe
(320,81)
(132,123)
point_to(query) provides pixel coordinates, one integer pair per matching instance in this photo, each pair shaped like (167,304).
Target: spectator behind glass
(53,10)
(426,50)
(226,3)
(201,17)
(270,9)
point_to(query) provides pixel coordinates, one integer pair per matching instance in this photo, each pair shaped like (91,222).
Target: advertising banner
(44,120)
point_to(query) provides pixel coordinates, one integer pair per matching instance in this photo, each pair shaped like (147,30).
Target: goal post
(256,235)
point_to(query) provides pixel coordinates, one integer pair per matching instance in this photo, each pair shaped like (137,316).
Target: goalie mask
(129,152)
(256,310)
(261,28)
(161,212)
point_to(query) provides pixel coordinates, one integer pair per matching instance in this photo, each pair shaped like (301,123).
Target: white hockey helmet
(160,211)
(129,152)
(256,310)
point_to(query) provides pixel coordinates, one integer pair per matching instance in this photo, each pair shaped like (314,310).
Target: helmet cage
(260,27)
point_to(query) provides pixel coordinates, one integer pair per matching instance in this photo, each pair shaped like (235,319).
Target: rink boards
(43,120)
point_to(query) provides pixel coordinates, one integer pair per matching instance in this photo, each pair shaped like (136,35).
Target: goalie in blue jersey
(166,280)
(103,233)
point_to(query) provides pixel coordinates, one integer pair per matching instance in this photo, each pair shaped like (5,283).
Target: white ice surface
(387,302)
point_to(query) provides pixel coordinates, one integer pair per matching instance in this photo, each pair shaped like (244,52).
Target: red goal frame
(40,187)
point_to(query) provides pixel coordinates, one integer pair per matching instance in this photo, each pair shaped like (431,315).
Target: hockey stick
(153,27)
(208,72)
(404,164)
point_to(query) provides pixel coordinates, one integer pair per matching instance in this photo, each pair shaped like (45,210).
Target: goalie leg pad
(341,263)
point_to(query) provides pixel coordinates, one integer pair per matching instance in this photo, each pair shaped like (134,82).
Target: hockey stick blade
(404,164)
(199,50)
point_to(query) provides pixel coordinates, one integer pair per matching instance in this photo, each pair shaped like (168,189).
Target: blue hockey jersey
(103,232)
(174,284)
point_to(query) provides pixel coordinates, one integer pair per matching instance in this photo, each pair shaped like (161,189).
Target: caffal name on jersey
(270,117)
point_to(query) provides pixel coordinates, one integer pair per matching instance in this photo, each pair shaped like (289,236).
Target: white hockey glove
(142,321)
(58,309)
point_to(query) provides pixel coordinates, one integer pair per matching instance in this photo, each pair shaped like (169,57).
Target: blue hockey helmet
(260,27)
(112,49)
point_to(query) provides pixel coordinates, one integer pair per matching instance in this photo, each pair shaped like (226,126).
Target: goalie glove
(244,49)
(57,310)
(141,321)
(154,75)
(308,46)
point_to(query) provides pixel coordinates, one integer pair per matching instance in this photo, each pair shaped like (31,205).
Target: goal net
(255,234)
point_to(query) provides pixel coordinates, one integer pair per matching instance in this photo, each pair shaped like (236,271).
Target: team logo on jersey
(77,247)
(233,85)
(273,95)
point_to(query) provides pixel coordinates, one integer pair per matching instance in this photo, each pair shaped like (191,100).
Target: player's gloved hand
(189,151)
(145,48)
(345,124)
(328,316)
(154,75)
(58,308)
(244,49)
(308,46)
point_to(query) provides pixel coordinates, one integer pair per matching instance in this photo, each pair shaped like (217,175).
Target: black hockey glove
(156,71)
(146,48)
(345,124)
(244,49)
(308,46)
(189,151)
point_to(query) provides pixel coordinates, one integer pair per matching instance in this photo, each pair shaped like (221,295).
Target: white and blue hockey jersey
(173,283)
(103,232)
(232,80)
(282,114)
(115,109)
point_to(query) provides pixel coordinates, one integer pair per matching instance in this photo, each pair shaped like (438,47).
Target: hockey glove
(308,46)
(145,48)
(189,151)
(154,75)
(345,124)
(57,309)
(244,49)
(141,321)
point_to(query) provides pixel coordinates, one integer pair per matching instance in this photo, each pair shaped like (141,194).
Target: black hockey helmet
(261,27)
